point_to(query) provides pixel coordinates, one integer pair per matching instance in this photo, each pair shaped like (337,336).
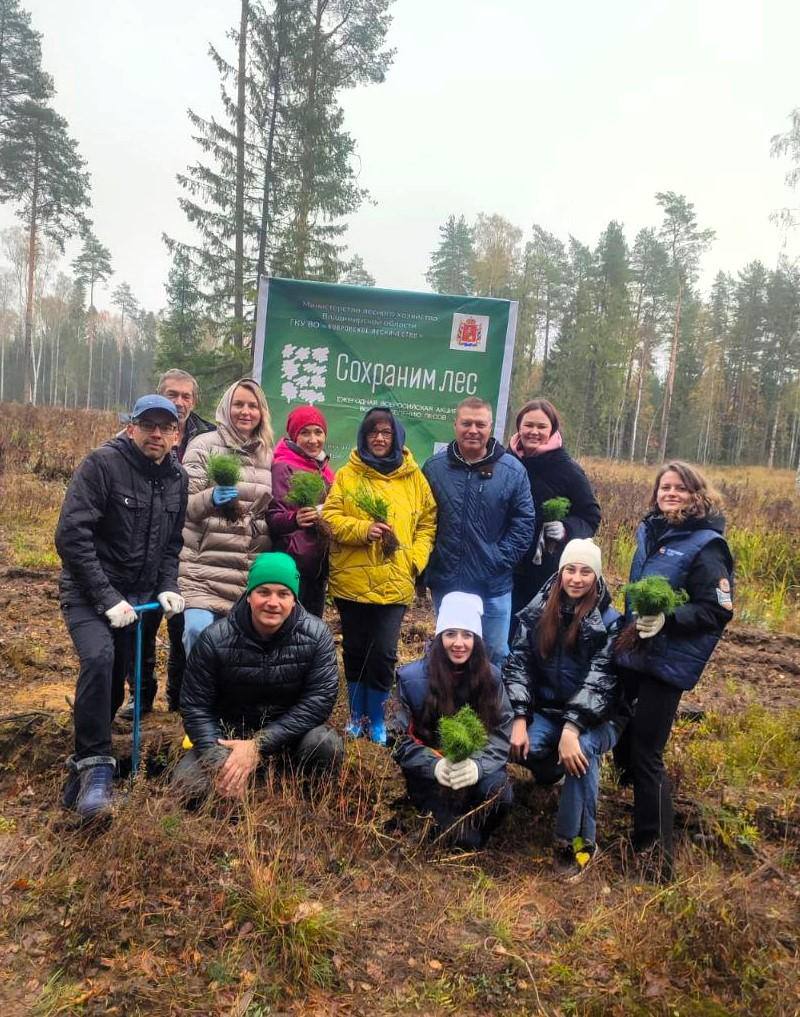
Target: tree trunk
(261,268)
(309,142)
(643,366)
(670,382)
(774,433)
(238,213)
(33,225)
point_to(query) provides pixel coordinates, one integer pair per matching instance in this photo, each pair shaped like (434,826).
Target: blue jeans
(577,806)
(195,619)
(495,622)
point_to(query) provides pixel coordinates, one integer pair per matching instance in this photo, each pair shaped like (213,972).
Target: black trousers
(640,755)
(448,807)
(312,594)
(369,641)
(106,659)
(320,751)
(176,661)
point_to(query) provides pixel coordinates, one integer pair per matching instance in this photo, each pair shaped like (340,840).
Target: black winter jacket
(195,424)
(580,685)
(554,474)
(239,685)
(120,528)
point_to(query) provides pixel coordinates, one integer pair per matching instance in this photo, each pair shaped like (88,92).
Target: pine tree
(685,242)
(450,269)
(356,274)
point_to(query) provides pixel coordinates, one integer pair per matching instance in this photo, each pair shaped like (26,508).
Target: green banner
(347,348)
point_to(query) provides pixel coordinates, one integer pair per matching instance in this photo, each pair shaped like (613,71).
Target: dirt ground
(404,958)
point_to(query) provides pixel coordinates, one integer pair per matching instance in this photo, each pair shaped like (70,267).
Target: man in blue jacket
(485,523)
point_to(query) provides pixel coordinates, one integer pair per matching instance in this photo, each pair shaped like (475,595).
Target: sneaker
(572,859)
(126,712)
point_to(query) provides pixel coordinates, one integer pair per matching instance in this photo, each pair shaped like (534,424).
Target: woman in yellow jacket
(371,584)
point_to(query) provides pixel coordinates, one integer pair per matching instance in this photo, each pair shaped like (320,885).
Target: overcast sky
(567,115)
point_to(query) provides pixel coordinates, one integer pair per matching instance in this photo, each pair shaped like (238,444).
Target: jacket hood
(407,465)
(139,461)
(494,451)
(287,451)
(658,523)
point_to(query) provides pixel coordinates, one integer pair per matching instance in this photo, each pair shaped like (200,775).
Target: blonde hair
(705,500)
(263,433)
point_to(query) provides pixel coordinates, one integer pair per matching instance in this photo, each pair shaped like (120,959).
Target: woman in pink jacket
(297,530)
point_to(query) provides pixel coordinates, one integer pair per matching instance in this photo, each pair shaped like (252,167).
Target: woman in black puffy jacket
(552,473)
(565,694)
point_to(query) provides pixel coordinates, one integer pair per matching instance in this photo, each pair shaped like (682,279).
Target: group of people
(526,634)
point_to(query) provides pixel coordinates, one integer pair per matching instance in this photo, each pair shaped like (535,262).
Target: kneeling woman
(455,672)
(565,693)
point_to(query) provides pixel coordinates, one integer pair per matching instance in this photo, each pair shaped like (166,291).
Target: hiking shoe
(92,799)
(126,712)
(653,865)
(570,861)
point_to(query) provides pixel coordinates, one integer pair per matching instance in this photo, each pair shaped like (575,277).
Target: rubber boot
(356,696)
(376,704)
(93,799)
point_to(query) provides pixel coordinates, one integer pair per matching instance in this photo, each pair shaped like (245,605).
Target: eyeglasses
(150,427)
(387,433)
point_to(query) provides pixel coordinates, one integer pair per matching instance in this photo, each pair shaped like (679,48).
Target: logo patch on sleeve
(724,594)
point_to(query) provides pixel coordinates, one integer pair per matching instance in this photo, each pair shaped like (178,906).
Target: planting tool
(140,610)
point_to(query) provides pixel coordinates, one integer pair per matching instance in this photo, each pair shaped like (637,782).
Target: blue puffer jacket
(693,556)
(405,709)
(578,685)
(486,521)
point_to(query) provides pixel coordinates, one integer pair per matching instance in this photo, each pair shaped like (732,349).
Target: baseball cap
(146,403)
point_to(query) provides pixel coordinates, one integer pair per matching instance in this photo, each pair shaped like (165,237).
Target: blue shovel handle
(137,683)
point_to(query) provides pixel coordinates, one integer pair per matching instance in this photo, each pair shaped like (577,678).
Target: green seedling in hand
(377,508)
(225,470)
(462,735)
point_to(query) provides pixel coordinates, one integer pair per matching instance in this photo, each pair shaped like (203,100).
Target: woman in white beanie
(565,694)
(454,672)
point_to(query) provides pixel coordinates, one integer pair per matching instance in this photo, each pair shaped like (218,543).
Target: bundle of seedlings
(649,596)
(461,735)
(377,508)
(554,510)
(307,490)
(224,469)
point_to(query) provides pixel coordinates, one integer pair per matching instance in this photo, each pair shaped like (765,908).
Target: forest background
(642,360)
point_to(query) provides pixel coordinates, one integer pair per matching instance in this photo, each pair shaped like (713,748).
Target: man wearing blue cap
(119,537)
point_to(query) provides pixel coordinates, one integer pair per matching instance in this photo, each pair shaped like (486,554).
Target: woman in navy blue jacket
(454,672)
(565,693)
(681,538)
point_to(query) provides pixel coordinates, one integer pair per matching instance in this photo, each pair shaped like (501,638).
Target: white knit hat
(460,611)
(582,552)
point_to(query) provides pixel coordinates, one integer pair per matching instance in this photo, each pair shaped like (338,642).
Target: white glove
(442,772)
(554,530)
(120,615)
(649,625)
(463,774)
(173,603)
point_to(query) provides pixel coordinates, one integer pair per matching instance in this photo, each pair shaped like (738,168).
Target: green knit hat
(274,567)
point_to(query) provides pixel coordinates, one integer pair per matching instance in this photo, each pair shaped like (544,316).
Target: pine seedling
(306,490)
(461,735)
(654,595)
(648,596)
(225,470)
(377,508)
(555,510)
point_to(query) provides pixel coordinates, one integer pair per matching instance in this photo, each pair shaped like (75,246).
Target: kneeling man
(259,682)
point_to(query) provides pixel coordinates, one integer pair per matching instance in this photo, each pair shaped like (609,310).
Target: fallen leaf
(242,1004)
(435,965)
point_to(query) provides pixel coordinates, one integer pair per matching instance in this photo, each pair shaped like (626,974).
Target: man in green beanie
(260,682)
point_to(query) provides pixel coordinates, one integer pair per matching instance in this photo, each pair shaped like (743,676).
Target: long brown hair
(549,629)
(705,500)
(439,702)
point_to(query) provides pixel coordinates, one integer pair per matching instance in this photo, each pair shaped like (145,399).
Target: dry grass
(316,900)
